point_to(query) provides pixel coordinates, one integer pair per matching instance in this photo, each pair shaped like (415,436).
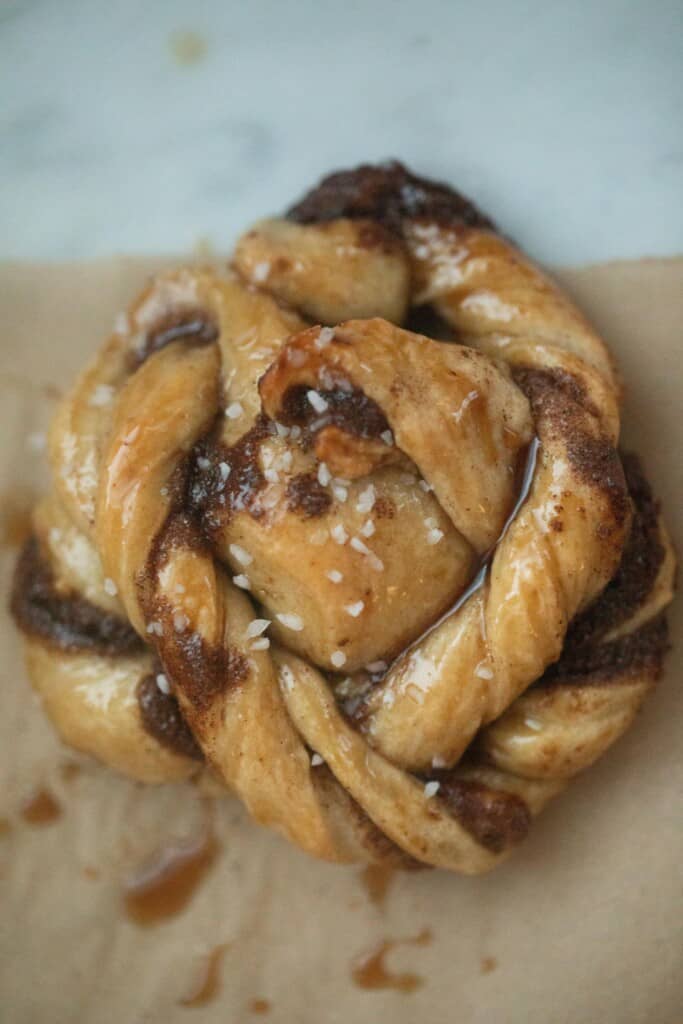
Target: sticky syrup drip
(370,971)
(166,883)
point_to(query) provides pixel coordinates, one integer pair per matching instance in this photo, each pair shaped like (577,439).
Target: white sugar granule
(291,621)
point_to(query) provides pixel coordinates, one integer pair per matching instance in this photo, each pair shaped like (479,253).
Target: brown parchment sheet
(583,924)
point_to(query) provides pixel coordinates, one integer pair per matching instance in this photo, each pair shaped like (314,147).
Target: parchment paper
(583,924)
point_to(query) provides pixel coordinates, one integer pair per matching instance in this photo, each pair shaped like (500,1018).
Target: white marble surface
(563,120)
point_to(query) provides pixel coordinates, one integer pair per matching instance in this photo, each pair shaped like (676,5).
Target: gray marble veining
(561,120)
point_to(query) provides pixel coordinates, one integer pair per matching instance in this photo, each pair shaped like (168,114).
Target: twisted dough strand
(175,498)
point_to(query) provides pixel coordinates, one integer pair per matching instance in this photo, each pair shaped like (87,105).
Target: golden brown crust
(226,470)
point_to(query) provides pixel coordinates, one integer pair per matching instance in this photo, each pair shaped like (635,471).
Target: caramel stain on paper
(260,1006)
(187,48)
(371,972)
(15,517)
(41,808)
(52,392)
(376,880)
(70,770)
(91,873)
(164,885)
(488,964)
(5,827)
(208,983)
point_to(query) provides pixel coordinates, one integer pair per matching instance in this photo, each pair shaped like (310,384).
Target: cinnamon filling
(226,480)
(560,400)
(162,718)
(64,619)
(584,656)
(639,566)
(191,326)
(73,624)
(591,664)
(496,819)
(386,193)
(348,409)
(307,496)
(205,669)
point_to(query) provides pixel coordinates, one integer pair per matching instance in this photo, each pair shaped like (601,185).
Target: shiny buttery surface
(371,383)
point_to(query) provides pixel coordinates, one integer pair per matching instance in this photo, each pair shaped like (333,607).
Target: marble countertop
(147,127)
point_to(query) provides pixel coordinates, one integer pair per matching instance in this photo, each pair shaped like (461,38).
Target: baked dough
(345,525)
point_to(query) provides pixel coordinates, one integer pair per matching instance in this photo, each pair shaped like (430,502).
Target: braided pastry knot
(391,590)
